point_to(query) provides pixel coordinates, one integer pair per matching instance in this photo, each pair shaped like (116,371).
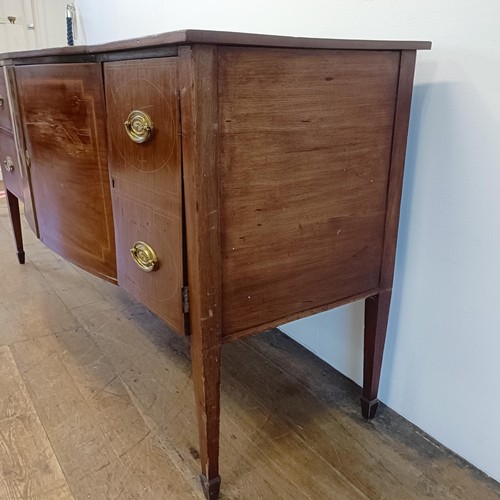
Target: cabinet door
(145,164)
(5,121)
(63,115)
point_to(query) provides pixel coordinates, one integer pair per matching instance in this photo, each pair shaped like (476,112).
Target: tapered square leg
(206,378)
(15,218)
(376,319)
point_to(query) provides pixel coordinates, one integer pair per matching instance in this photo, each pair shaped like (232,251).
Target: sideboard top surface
(183,37)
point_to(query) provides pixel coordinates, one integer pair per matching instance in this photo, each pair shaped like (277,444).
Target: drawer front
(148,87)
(11,171)
(158,289)
(5,119)
(145,164)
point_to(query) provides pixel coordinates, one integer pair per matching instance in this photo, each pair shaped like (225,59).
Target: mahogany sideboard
(230,182)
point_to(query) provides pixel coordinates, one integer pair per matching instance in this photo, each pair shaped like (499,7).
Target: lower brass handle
(1,100)
(8,164)
(144,256)
(139,126)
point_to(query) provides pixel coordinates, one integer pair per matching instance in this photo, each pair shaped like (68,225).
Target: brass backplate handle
(144,256)
(139,126)
(9,164)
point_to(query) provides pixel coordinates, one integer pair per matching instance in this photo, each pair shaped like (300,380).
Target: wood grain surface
(305,141)
(63,115)
(147,182)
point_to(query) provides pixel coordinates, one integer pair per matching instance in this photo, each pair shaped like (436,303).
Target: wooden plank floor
(96,401)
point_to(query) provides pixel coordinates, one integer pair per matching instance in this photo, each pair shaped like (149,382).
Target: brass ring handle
(144,256)
(9,164)
(139,126)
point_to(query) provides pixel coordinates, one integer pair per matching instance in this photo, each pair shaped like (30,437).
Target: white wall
(442,363)
(50,20)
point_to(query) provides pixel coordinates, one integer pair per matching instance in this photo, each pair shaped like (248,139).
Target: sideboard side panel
(305,149)
(63,116)
(402,120)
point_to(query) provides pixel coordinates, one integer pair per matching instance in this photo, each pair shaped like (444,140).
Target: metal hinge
(185,300)
(27,158)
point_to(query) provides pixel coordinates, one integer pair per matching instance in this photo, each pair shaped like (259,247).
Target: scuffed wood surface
(101,391)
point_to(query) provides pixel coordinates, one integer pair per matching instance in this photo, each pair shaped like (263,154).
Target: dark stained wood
(64,55)
(198,86)
(252,39)
(5,117)
(9,162)
(182,37)
(62,110)
(401,123)
(55,59)
(147,182)
(27,194)
(15,218)
(376,318)
(123,55)
(12,178)
(305,140)
(377,307)
(261,40)
(161,289)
